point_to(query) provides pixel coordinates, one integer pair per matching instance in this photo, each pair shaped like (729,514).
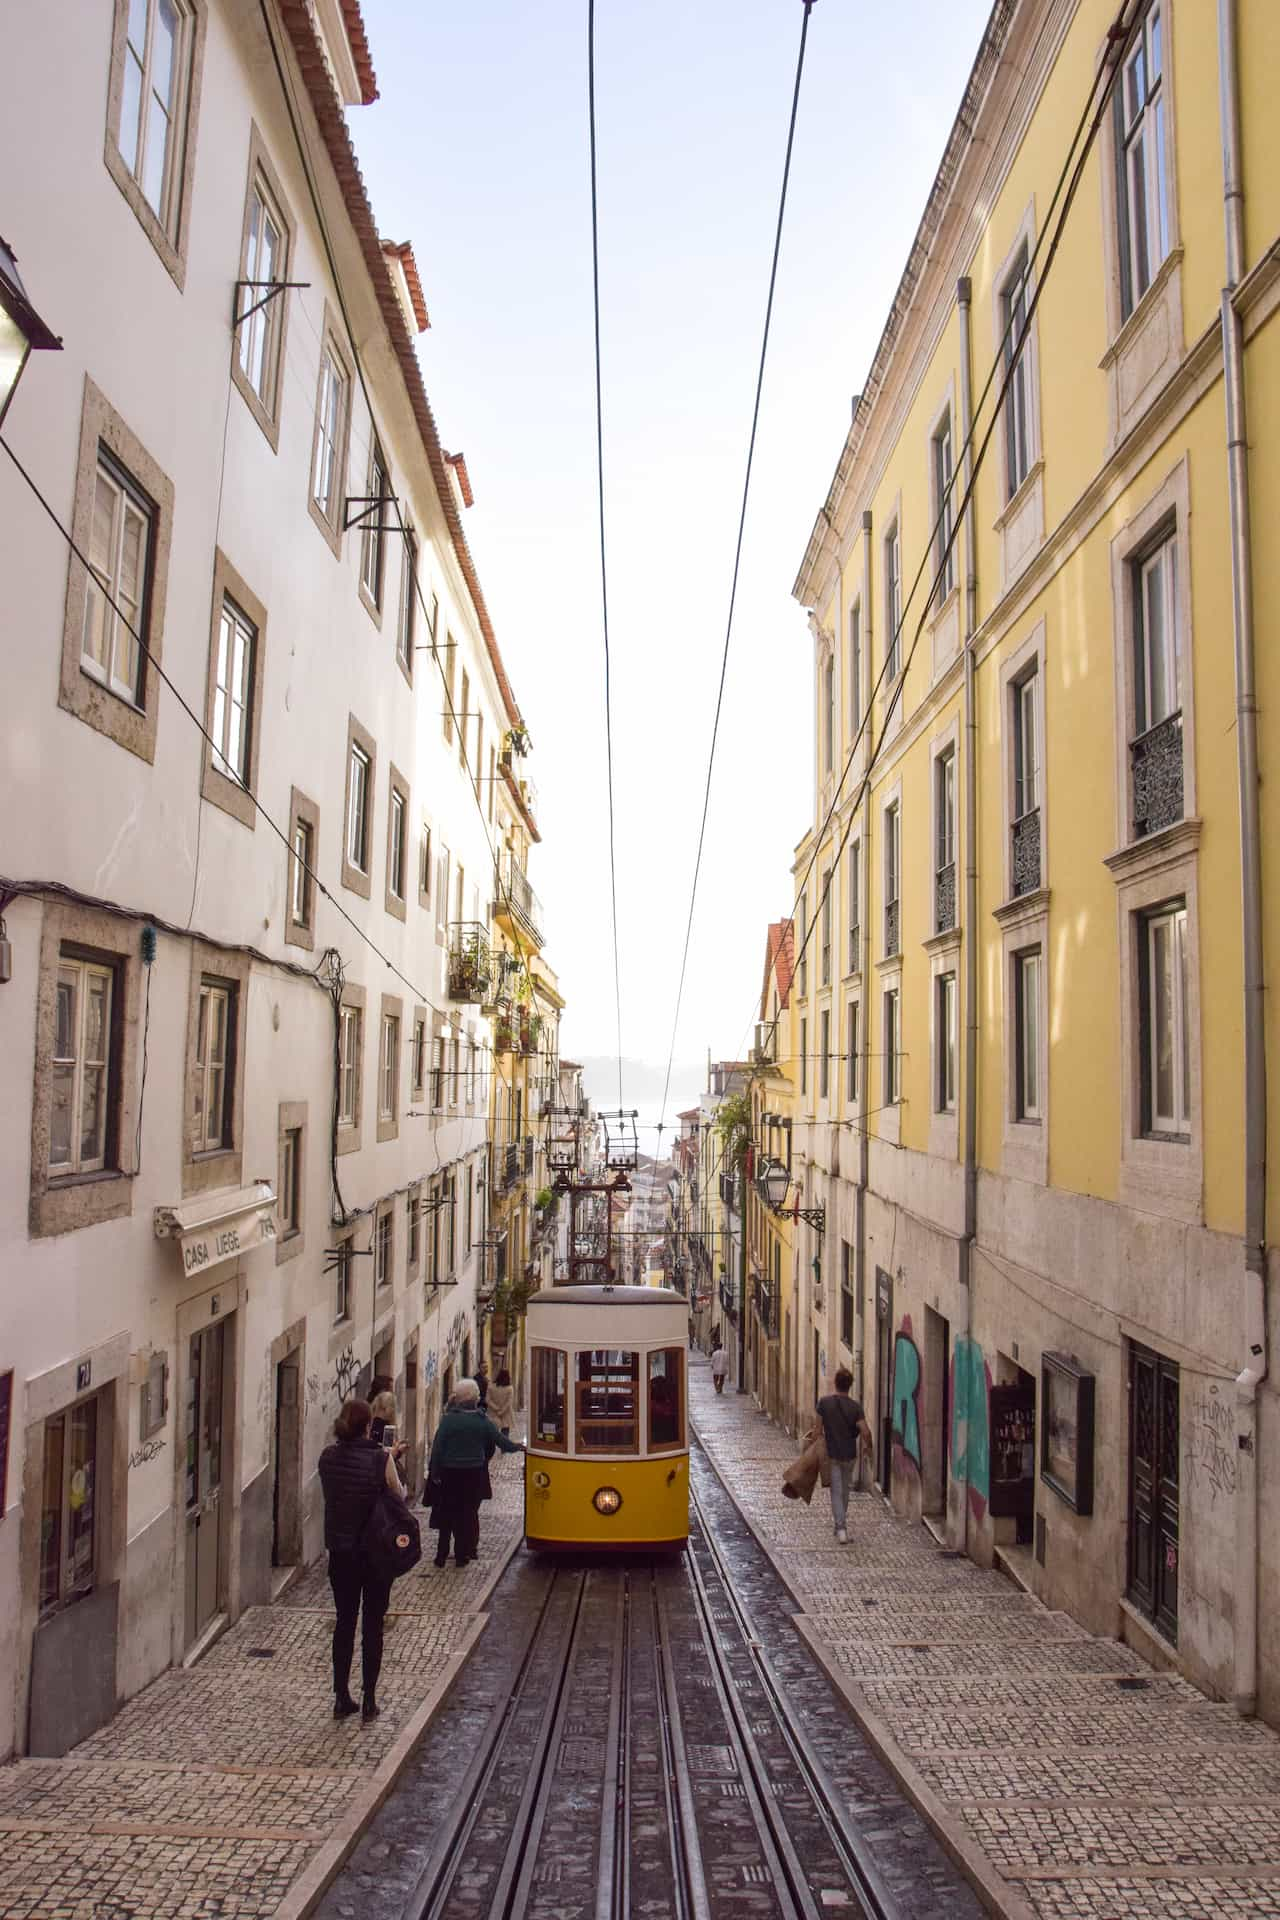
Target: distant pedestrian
(719,1368)
(353,1472)
(382,1406)
(482,1381)
(458,1473)
(845,1427)
(501,1402)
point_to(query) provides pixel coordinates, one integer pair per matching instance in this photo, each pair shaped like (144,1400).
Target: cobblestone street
(213,1790)
(1080,1784)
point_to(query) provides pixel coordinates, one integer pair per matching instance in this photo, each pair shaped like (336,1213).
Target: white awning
(220,1226)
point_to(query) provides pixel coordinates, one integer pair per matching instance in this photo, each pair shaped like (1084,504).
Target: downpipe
(864,1038)
(1254,1304)
(964,297)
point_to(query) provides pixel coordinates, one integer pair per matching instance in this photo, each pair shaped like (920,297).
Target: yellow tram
(607,1465)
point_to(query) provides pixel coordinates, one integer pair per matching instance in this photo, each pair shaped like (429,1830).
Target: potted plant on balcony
(503,1028)
(471,967)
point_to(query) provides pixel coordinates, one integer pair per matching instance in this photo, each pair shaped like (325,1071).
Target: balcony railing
(892,929)
(944,898)
(1155,761)
(509,1169)
(517,897)
(526,1154)
(470,961)
(1025,861)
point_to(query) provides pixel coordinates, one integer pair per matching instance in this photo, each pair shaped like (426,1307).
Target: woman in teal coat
(459,1468)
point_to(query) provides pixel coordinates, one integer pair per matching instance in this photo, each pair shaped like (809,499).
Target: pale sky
(477,152)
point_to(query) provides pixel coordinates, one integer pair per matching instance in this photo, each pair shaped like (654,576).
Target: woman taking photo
(353,1472)
(460,1452)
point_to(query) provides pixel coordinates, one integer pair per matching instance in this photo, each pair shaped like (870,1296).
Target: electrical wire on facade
(737,555)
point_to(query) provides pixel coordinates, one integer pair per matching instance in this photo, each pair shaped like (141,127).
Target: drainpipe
(864,967)
(1253,1316)
(964,295)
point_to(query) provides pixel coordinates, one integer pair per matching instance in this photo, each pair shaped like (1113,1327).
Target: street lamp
(21,328)
(773,1183)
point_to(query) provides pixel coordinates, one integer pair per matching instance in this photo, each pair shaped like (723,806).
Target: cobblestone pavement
(211,1790)
(1091,1787)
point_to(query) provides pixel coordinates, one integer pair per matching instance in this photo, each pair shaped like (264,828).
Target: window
(824,1055)
(826,926)
(828,715)
(70,1482)
(454,1056)
(846,1294)
(233,692)
(82,1076)
(303,860)
(424,867)
(855,906)
(892,603)
(945,1014)
(289,1197)
(464,718)
(804,1056)
(349,1022)
(341,1283)
(450,652)
(389,1069)
(605,1413)
(1025,848)
(493,777)
(1142,162)
(395,870)
(1026,1014)
(944,813)
(855,667)
(1014,301)
(1166,1065)
(155,64)
(153,1400)
(802,946)
(944,511)
(413,1227)
(215,1041)
(437,1071)
(549,1368)
(383,1246)
(407,614)
(264,266)
(121,538)
(358,779)
(892,1049)
(1155,752)
(329,450)
(419,1057)
(892,880)
(851,1055)
(373,536)
(666,1399)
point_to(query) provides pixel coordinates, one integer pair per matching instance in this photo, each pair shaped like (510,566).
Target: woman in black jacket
(353,1472)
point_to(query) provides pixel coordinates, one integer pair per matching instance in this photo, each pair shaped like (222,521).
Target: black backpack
(392,1539)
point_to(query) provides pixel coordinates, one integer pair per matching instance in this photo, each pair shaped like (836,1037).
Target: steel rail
(430,1895)
(613,1884)
(687,1877)
(864,1876)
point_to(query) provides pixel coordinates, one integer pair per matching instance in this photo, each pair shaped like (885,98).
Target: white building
(242,1153)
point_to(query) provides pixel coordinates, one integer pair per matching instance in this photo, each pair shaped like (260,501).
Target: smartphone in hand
(389,1438)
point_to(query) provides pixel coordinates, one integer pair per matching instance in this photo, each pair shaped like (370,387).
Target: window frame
(891,1042)
(373,536)
(396,898)
(359,878)
(343,1278)
(208,1162)
(390,1031)
(99,1486)
(1027,662)
(942,483)
(1163,520)
(853,1011)
(303,814)
(86,967)
(349,1054)
(1177,1125)
(891,831)
(946,1002)
(263,183)
(384,1246)
(291,1125)
(854,873)
(407,603)
(236,796)
(169,234)
(1015,295)
(855,668)
(1128,132)
(132,498)
(1028,1019)
(329,518)
(828,714)
(214,993)
(824,1054)
(891,559)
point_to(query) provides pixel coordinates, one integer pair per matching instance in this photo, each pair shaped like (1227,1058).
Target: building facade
(1034,894)
(245,1154)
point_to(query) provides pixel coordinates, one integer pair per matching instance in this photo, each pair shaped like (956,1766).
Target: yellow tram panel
(653,1510)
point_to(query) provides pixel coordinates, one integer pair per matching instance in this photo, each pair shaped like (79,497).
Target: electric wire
(604,572)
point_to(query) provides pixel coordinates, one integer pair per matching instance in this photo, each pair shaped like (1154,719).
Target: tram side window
(608,1390)
(549,1370)
(666,1399)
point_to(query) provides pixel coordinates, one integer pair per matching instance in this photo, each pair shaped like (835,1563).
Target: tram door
(884,1378)
(203,1479)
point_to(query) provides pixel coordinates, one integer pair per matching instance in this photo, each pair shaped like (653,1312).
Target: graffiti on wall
(430,1367)
(143,1455)
(1209,1448)
(970,1428)
(906,1394)
(346,1372)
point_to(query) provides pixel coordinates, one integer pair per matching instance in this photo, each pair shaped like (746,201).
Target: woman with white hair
(464,1444)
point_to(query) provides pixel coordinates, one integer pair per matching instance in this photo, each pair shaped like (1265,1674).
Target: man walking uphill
(845,1426)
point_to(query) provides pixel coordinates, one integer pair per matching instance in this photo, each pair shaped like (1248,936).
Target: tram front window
(666,1409)
(608,1390)
(549,1371)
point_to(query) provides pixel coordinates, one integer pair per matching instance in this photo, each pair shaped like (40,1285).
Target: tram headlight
(606,1500)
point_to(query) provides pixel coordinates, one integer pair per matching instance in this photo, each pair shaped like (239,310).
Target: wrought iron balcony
(1155,762)
(509,1170)
(526,1153)
(1025,863)
(944,899)
(470,961)
(892,929)
(518,899)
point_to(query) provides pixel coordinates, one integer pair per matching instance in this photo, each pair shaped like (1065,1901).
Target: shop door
(204,1478)
(286,1545)
(1153,1488)
(1012,1412)
(884,1377)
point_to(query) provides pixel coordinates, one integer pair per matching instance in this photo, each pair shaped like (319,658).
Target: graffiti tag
(906,1394)
(346,1372)
(1208,1453)
(149,1450)
(970,1429)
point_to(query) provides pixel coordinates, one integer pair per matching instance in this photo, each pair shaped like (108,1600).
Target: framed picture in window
(1066,1430)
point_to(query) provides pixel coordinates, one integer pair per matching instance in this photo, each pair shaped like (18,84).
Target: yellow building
(1035,1104)
(774,1364)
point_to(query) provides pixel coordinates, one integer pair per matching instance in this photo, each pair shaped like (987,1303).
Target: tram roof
(569,1296)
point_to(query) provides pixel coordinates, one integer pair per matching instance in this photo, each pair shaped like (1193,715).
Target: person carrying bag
(812,1466)
(357,1477)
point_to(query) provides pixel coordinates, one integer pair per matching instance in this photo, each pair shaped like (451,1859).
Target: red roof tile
(458,461)
(403,252)
(779,963)
(353,21)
